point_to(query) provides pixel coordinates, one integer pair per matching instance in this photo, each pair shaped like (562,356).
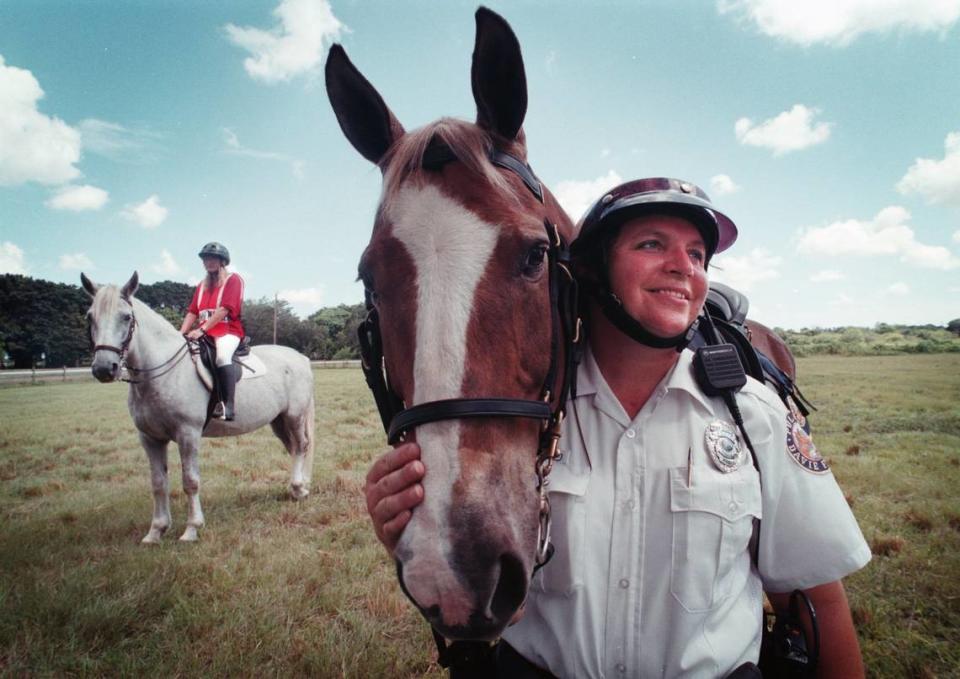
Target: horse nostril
(511,588)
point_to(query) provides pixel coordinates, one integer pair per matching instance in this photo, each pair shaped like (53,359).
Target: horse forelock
(467,142)
(105,302)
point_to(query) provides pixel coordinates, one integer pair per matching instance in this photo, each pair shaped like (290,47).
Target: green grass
(278,588)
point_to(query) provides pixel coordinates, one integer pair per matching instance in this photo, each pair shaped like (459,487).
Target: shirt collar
(590,382)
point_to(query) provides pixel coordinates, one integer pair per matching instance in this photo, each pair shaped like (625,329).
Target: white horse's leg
(157,455)
(190,462)
(296,432)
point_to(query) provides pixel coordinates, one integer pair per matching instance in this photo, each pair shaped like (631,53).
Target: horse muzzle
(475,599)
(105,370)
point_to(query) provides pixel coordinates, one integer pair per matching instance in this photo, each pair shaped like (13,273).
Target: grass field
(277,588)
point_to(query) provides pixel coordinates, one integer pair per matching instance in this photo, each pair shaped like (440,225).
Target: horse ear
(88,285)
(130,287)
(498,79)
(363,116)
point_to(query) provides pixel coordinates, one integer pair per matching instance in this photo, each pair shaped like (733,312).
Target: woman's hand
(194,334)
(392,491)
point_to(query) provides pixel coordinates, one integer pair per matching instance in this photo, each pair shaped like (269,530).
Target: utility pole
(275,318)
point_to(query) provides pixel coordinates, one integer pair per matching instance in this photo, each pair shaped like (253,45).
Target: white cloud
(789,131)
(843,300)
(236,148)
(167,266)
(11,259)
(887,234)
(551,60)
(826,276)
(33,147)
(576,196)
(723,185)
(899,288)
(937,180)
(292,47)
(116,141)
(149,214)
(744,271)
(78,198)
(304,301)
(78,261)
(839,22)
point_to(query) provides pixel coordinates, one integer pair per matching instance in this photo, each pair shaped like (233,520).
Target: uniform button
(631,504)
(621,668)
(732,506)
(631,433)
(624,583)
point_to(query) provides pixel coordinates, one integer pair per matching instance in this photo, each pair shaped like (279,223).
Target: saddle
(246,365)
(728,310)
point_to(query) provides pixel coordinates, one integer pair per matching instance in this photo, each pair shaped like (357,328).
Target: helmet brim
(716,227)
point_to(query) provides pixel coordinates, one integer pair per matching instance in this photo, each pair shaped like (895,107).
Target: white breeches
(226,345)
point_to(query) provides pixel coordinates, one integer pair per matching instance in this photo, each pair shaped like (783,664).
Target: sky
(132,132)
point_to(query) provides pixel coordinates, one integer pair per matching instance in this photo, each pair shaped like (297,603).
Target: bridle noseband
(398,420)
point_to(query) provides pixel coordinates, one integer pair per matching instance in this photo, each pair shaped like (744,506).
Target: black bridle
(121,351)
(399,420)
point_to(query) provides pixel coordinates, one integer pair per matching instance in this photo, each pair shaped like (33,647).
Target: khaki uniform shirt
(652,574)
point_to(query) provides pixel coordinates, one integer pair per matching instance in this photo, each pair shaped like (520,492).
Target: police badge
(724,446)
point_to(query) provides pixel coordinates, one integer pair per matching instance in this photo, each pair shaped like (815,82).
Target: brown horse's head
(458,273)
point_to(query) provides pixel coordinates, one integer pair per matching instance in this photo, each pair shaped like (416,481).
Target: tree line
(44,324)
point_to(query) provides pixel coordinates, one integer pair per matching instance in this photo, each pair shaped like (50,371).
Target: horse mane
(466,141)
(106,300)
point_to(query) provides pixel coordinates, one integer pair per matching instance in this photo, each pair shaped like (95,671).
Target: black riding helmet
(601,223)
(215,249)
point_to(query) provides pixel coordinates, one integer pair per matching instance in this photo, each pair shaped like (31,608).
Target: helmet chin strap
(613,309)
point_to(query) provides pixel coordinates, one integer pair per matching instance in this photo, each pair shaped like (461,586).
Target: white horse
(168,400)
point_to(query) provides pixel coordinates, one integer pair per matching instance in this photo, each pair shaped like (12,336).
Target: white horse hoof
(152,538)
(190,535)
(299,492)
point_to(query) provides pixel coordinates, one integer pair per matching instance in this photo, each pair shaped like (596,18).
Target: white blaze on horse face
(450,248)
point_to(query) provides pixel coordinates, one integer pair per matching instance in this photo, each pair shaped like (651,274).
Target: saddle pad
(251,366)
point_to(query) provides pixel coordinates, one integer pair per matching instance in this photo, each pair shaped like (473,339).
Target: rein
(399,420)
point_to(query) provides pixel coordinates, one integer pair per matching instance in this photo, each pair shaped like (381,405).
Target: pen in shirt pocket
(689,467)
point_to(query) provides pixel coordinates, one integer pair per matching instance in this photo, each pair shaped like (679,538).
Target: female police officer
(655,500)
(217,304)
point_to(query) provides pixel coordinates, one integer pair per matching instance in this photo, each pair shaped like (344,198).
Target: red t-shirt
(204,303)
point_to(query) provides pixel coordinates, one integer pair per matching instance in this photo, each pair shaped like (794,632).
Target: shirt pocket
(712,526)
(564,572)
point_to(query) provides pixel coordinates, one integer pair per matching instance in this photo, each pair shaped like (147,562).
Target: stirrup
(218,411)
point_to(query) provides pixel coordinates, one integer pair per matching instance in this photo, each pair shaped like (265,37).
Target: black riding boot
(228,388)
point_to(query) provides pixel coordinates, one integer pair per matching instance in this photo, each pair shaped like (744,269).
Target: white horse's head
(110,325)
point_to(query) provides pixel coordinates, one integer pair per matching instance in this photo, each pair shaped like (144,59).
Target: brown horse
(460,275)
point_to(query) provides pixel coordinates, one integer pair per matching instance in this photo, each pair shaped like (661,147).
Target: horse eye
(533,263)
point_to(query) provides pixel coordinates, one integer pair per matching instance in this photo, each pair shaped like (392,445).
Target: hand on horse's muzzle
(393,490)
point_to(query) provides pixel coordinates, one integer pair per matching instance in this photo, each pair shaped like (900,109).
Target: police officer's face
(657,269)
(212,264)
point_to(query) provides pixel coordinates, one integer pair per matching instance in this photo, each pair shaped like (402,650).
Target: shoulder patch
(801,448)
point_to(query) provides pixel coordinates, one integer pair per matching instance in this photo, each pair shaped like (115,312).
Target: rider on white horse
(217,305)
